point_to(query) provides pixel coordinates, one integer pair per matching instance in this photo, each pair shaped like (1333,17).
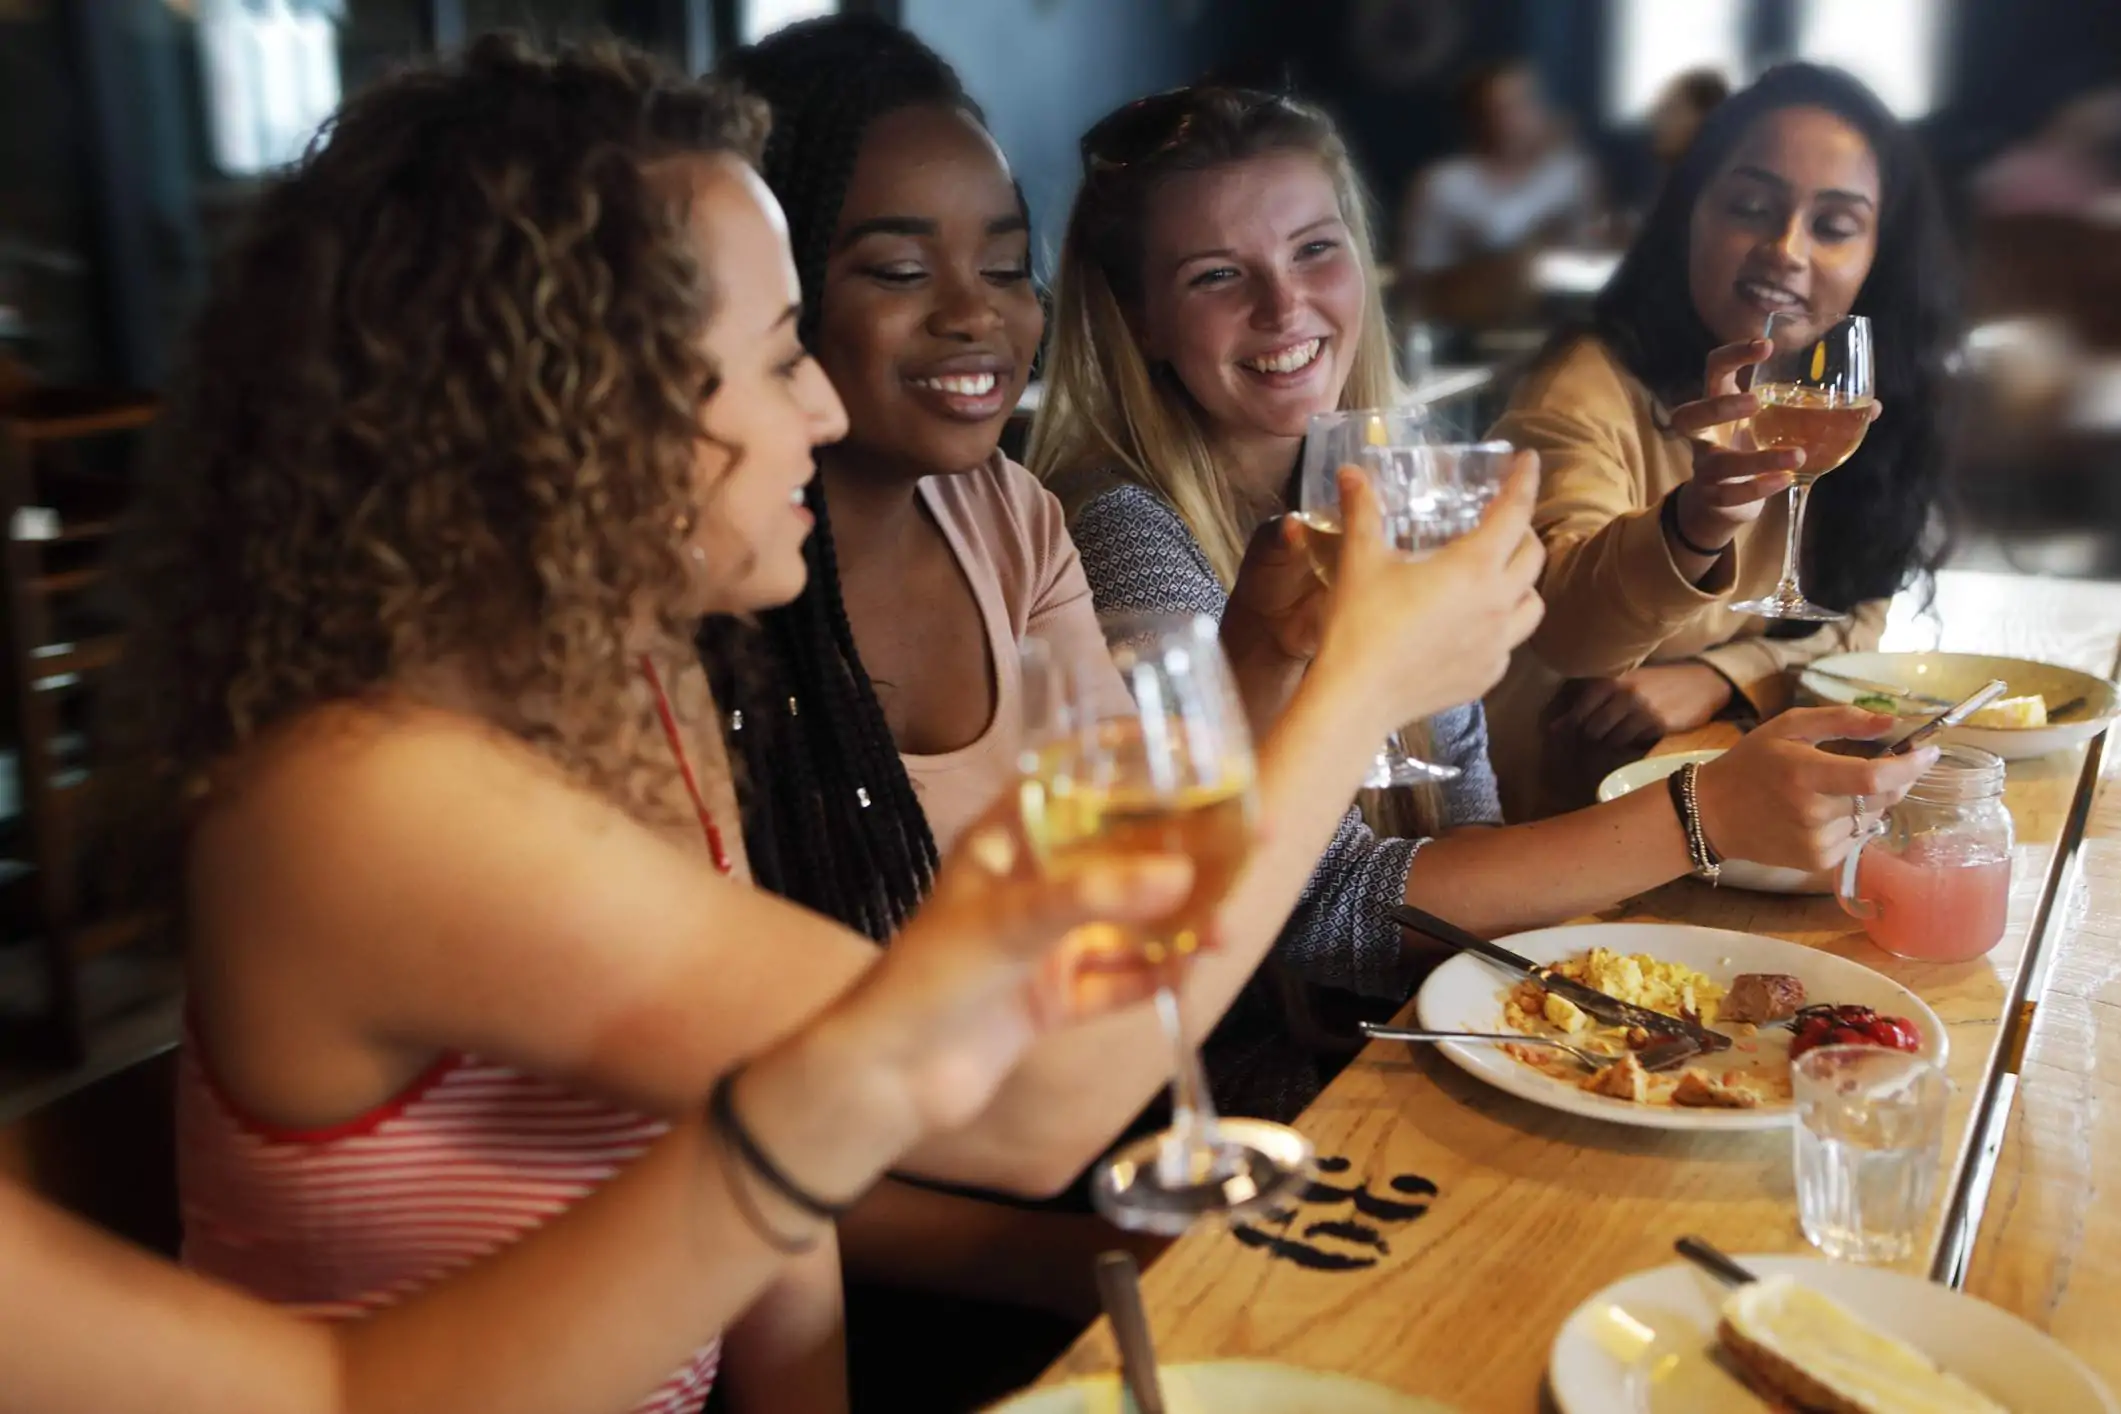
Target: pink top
(341,1221)
(1011,539)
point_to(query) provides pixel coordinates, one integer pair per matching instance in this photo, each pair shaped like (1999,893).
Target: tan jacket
(1615,600)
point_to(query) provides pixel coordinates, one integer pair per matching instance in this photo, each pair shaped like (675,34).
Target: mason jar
(1934,880)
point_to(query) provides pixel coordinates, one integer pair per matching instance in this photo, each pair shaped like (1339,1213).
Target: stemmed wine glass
(1172,772)
(1386,444)
(1815,393)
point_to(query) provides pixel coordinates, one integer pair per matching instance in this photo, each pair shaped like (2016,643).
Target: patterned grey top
(1139,555)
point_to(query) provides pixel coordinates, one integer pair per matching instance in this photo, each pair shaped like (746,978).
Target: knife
(1592,1002)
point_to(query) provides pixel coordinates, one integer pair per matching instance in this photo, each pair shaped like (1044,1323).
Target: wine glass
(1382,443)
(1171,772)
(1431,495)
(1815,393)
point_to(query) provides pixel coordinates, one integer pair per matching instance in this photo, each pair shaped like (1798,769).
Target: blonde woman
(1215,289)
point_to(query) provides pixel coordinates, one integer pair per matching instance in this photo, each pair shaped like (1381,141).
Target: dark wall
(2009,63)
(1044,70)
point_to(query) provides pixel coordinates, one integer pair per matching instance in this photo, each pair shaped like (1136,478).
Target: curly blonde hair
(443,405)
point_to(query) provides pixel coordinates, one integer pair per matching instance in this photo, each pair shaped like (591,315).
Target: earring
(699,556)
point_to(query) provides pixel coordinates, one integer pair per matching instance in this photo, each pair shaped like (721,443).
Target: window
(763,17)
(271,70)
(1895,46)
(1654,41)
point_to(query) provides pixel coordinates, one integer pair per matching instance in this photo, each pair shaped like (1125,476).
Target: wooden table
(1508,1214)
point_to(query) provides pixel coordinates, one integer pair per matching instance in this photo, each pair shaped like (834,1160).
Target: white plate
(1952,676)
(1466,994)
(1737,873)
(1997,1353)
(1228,1387)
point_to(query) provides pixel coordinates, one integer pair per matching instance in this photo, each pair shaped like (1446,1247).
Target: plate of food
(2045,707)
(1226,1387)
(1768,996)
(1809,1334)
(1737,873)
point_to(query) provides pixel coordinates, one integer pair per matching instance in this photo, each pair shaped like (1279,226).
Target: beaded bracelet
(1686,800)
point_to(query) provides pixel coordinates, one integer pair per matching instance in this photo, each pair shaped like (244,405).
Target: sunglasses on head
(1159,123)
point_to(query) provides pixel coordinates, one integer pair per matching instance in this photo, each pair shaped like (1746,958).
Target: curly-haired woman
(501,393)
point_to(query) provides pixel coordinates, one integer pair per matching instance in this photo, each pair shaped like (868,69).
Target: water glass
(1870,1139)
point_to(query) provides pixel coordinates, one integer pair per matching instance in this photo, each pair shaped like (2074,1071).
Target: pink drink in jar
(1935,908)
(1934,883)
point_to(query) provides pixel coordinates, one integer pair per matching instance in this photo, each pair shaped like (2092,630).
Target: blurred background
(133,133)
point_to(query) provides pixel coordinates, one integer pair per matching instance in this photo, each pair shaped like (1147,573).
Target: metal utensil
(1951,717)
(1713,1260)
(1662,1056)
(1119,1290)
(1879,689)
(1589,1000)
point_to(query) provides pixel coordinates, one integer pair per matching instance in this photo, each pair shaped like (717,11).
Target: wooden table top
(1474,1222)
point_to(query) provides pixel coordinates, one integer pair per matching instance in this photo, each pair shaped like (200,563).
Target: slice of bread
(1821,1356)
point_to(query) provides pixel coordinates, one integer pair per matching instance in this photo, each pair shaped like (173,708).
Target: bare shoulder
(377,774)
(356,825)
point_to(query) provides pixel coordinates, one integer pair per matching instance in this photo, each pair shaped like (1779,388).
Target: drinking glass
(1870,1138)
(1386,444)
(1815,393)
(1170,771)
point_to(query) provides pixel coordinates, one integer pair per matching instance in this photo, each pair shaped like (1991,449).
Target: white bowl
(1737,873)
(1952,676)
(1227,1387)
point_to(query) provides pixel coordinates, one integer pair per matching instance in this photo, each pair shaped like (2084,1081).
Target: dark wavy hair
(830,816)
(442,403)
(1877,523)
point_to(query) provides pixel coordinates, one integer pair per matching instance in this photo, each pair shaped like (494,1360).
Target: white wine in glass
(1173,775)
(1815,393)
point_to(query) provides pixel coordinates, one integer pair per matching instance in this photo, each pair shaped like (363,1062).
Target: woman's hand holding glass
(1420,636)
(1733,479)
(993,960)
(1777,799)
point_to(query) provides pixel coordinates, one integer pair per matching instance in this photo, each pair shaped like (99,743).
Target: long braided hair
(830,817)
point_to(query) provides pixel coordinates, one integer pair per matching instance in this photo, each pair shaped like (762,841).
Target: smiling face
(928,321)
(772,410)
(1788,223)
(1253,294)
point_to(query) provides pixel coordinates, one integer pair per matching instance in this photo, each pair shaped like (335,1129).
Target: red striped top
(341,1221)
(344,1220)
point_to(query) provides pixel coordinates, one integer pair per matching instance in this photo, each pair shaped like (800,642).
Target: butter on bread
(1820,1355)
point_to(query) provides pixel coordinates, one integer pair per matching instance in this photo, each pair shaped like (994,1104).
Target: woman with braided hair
(893,680)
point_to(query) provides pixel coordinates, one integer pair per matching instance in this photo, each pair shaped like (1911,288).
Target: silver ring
(1855,817)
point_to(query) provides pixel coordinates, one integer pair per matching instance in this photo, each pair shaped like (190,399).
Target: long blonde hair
(1107,412)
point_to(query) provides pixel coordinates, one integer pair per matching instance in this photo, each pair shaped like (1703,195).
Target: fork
(1662,1056)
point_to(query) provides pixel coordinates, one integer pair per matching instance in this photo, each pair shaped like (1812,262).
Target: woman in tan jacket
(1802,193)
